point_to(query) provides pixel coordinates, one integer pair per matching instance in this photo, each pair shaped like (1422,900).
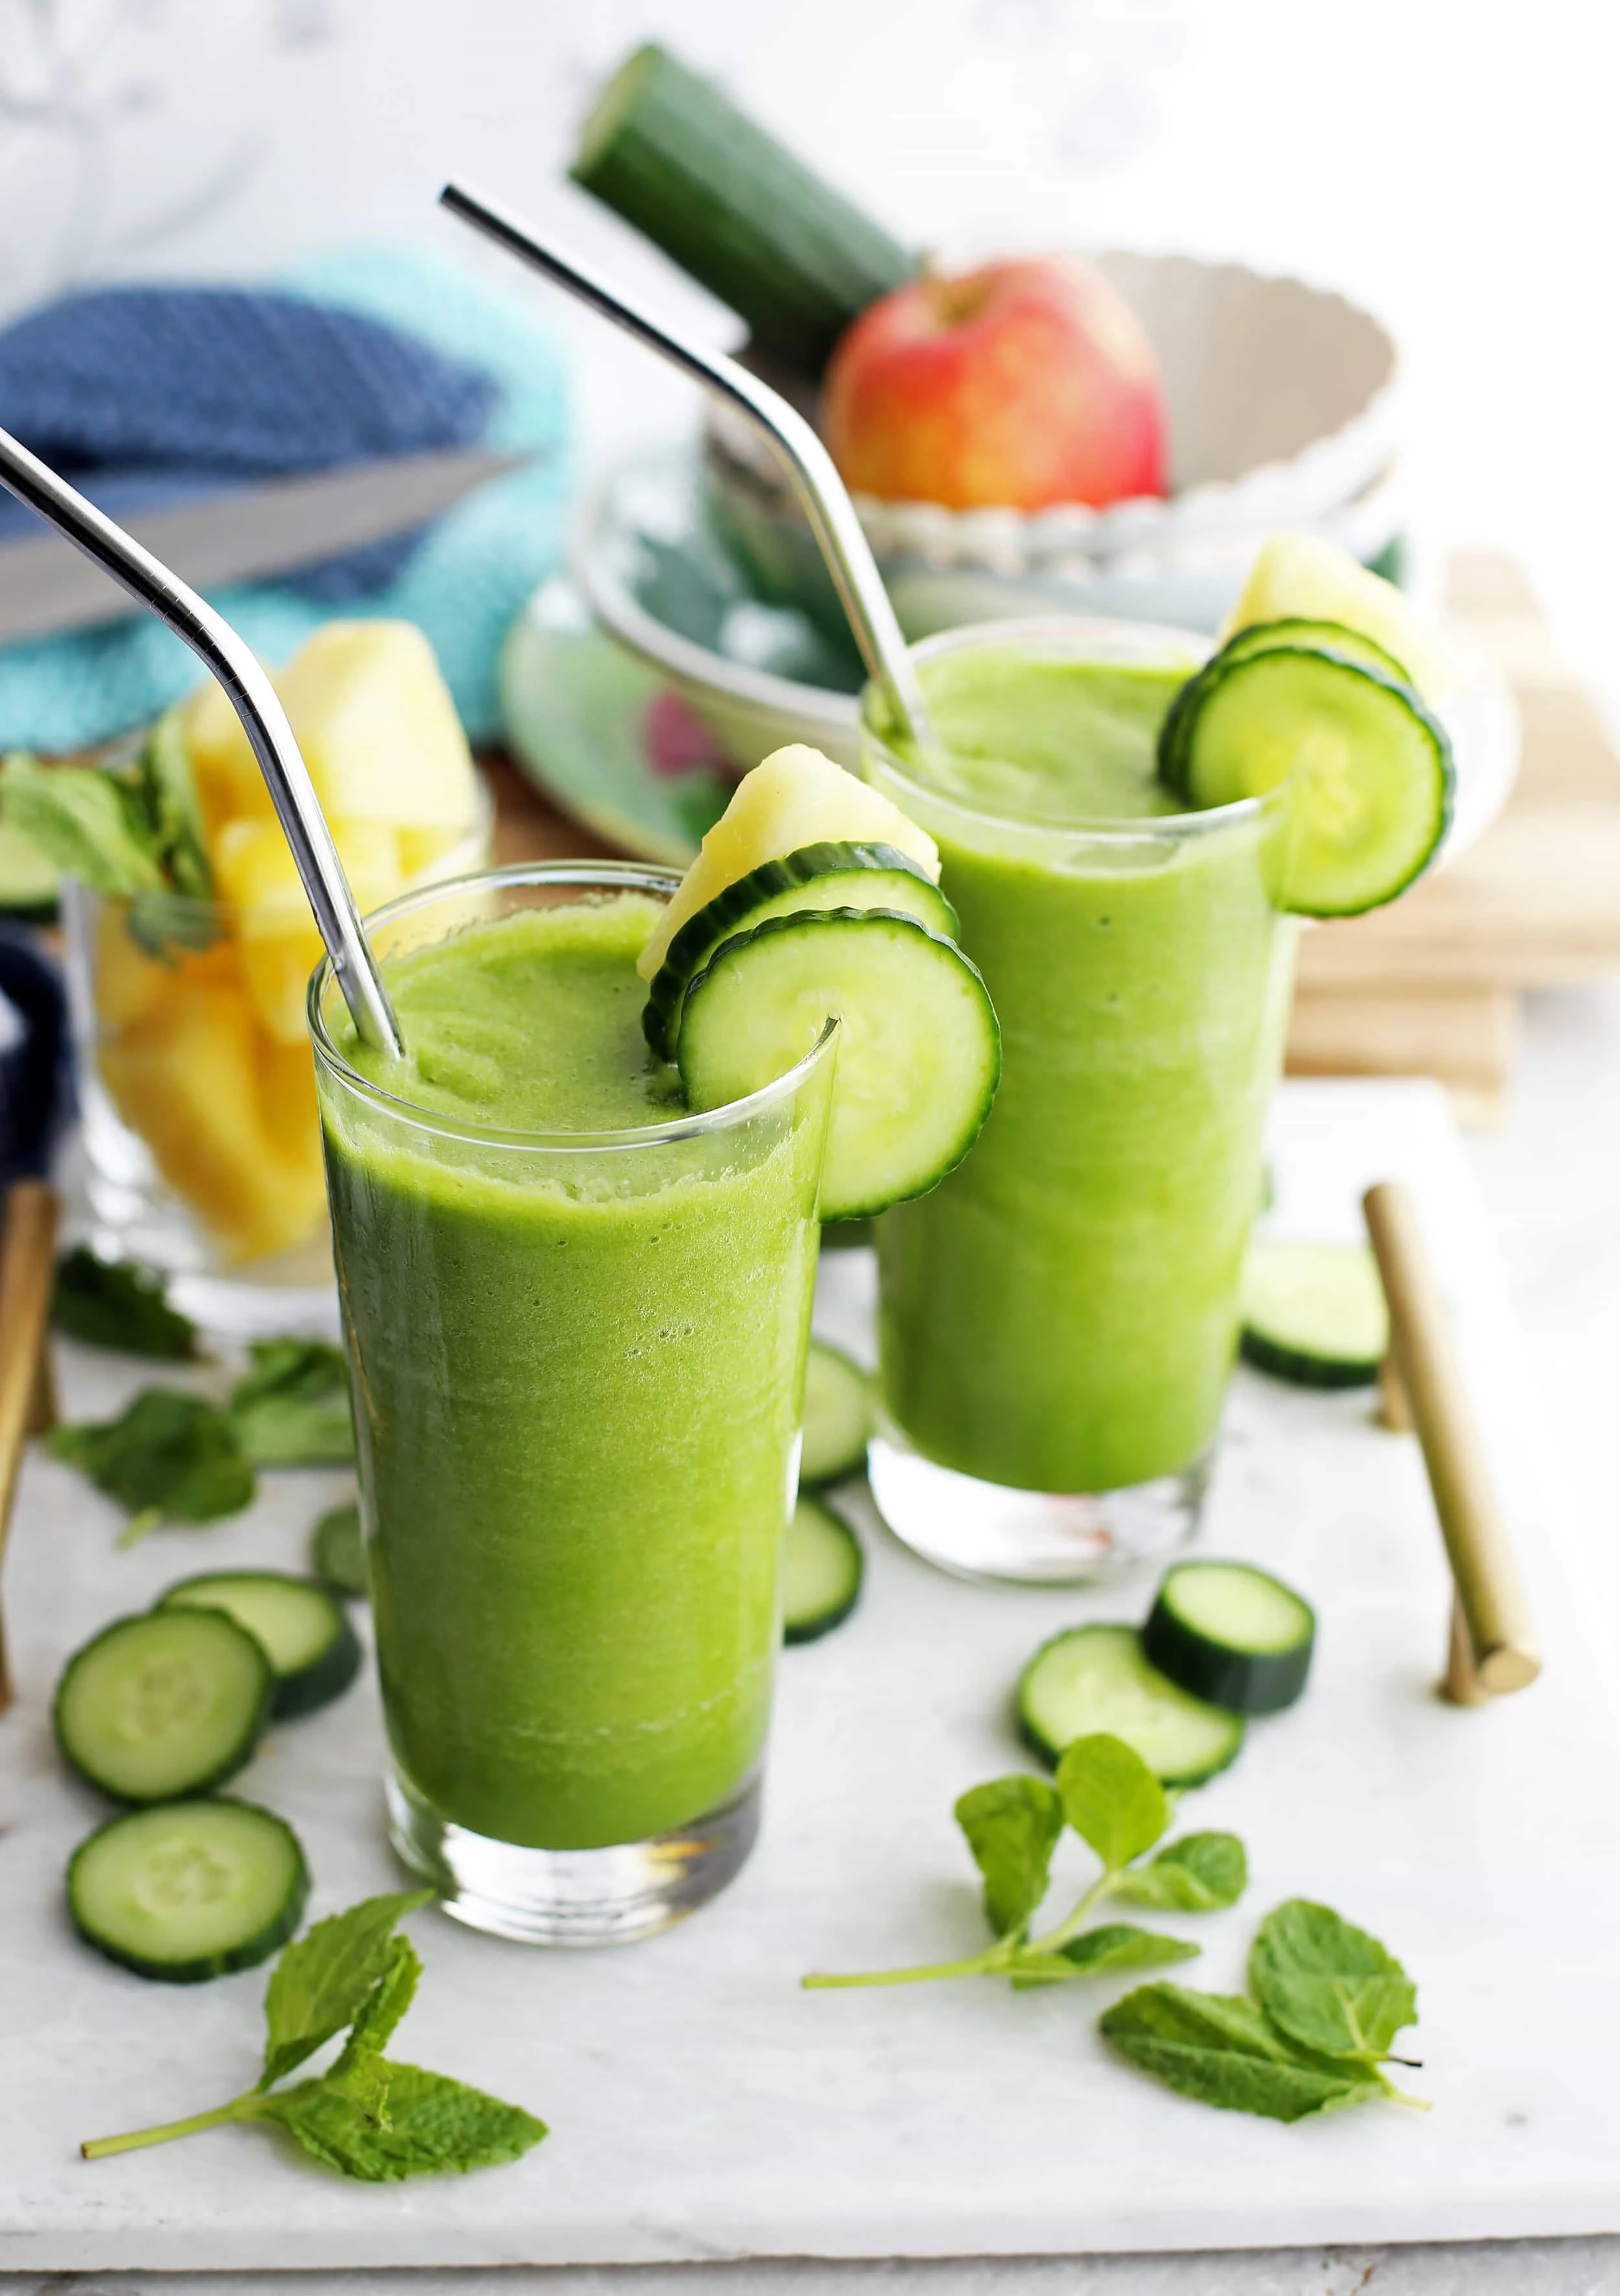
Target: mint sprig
(112,1303)
(367,2116)
(1103,1791)
(169,1457)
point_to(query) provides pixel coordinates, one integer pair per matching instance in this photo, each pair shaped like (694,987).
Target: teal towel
(463,583)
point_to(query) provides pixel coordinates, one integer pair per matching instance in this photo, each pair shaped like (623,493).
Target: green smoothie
(1060,1314)
(578,1375)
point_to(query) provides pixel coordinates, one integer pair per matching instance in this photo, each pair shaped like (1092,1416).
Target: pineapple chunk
(230,787)
(188,1079)
(279,946)
(795,796)
(130,983)
(377,727)
(1300,575)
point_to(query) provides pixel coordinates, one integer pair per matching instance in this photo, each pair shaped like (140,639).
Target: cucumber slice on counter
(1231,1634)
(190,1890)
(1314,1313)
(837,1415)
(337,1552)
(825,876)
(821,1572)
(1370,771)
(918,1051)
(300,1627)
(1261,637)
(168,1704)
(1099,1677)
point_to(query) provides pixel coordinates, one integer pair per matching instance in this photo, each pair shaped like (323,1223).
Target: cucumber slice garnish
(918,1051)
(837,1415)
(337,1552)
(1100,1678)
(822,1569)
(1314,1313)
(1261,637)
(300,1626)
(1231,1634)
(1369,770)
(190,1890)
(825,876)
(168,1704)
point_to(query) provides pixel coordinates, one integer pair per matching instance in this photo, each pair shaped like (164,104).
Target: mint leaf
(109,1303)
(166,796)
(1329,1985)
(169,1457)
(329,1976)
(384,2005)
(1012,1826)
(1100,1952)
(1219,2049)
(428,2125)
(291,1409)
(1111,1799)
(84,820)
(1197,1875)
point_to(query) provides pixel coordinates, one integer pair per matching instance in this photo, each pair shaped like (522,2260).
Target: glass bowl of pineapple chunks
(202,1146)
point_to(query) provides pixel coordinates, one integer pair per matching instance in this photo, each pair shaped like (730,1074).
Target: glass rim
(629,876)
(1101,829)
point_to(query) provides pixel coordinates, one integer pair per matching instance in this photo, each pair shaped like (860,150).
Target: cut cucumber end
(313,1652)
(1099,1677)
(169,1703)
(1368,770)
(837,1415)
(918,1052)
(1233,1634)
(1313,1314)
(189,1890)
(822,1567)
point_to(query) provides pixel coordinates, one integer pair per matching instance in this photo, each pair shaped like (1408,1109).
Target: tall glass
(1058,1318)
(578,1363)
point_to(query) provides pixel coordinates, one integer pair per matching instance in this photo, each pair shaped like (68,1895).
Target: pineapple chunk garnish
(1299,576)
(795,796)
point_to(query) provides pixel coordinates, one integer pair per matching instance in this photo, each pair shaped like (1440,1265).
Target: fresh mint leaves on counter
(109,1303)
(367,2116)
(168,1459)
(1107,1794)
(291,1409)
(1328,2002)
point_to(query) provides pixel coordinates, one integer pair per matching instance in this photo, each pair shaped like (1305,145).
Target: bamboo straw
(28,1254)
(1493,1647)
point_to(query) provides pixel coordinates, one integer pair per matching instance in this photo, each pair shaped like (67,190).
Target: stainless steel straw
(794,441)
(233,663)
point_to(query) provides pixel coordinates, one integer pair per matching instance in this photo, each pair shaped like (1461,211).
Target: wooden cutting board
(1432,984)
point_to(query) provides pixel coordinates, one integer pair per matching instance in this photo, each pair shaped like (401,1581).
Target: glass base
(1044,1539)
(574,1896)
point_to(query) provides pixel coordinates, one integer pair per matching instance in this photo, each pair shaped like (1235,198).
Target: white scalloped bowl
(1283,403)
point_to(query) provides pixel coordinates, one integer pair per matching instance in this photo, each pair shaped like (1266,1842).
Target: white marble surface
(704,2107)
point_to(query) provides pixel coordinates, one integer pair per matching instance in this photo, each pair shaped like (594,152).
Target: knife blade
(242,533)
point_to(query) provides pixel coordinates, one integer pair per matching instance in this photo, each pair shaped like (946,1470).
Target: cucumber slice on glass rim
(1369,768)
(189,1890)
(822,1569)
(1231,1634)
(171,1704)
(918,1052)
(1313,1313)
(837,1415)
(1099,1677)
(300,1625)
(1261,637)
(830,875)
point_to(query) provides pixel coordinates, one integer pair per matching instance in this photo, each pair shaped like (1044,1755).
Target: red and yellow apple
(1021,385)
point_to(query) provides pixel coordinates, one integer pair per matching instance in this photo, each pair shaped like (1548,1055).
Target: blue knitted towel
(354,356)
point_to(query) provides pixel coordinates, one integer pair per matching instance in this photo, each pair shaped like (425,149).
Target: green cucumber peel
(367,2116)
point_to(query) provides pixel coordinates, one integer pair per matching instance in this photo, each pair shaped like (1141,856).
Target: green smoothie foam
(1061,1313)
(577,1383)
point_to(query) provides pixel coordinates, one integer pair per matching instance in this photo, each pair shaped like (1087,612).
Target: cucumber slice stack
(189,1890)
(313,1650)
(1330,713)
(1313,1313)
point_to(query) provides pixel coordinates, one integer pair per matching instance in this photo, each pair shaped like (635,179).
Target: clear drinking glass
(577,1363)
(196,1094)
(1058,1319)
